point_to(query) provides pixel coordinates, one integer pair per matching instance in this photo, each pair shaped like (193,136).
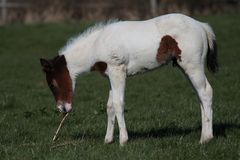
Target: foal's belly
(132,70)
(141,64)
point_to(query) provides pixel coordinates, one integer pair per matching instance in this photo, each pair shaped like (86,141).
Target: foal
(124,48)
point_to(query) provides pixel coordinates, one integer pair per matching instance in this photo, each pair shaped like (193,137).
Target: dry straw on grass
(59,127)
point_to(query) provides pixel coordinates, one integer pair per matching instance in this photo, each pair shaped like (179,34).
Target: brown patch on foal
(168,50)
(100,67)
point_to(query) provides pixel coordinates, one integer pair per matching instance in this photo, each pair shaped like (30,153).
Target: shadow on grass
(219,130)
(162,132)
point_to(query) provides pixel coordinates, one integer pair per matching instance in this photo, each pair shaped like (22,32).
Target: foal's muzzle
(64,107)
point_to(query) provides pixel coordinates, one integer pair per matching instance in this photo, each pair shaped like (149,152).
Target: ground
(163,119)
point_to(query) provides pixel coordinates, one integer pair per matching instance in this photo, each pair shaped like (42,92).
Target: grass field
(163,118)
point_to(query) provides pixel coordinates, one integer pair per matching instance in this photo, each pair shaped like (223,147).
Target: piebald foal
(124,48)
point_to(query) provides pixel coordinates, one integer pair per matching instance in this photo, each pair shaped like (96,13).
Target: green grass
(163,118)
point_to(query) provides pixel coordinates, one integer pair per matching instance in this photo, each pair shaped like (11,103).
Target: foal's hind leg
(205,93)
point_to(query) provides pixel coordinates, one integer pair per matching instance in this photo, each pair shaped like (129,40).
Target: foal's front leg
(117,77)
(111,119)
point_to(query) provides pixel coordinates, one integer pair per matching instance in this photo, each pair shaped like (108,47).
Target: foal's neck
(79,53)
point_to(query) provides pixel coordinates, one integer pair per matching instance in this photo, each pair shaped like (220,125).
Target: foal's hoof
(108,140)
(206,139)
(123,141)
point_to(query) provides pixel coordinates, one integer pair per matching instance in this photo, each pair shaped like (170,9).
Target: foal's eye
(51,86)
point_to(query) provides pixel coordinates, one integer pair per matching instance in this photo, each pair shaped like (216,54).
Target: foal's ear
(60,60)
(47,65)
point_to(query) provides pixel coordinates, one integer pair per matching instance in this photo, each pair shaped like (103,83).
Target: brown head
(59,82)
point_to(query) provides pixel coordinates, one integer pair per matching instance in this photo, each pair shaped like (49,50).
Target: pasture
(163,119)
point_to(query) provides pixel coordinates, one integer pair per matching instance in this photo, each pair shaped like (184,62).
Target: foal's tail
(212,62)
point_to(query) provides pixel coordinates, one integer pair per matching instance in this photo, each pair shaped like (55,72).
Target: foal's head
(59,81)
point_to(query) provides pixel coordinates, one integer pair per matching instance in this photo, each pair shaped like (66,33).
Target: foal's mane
(98,26)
